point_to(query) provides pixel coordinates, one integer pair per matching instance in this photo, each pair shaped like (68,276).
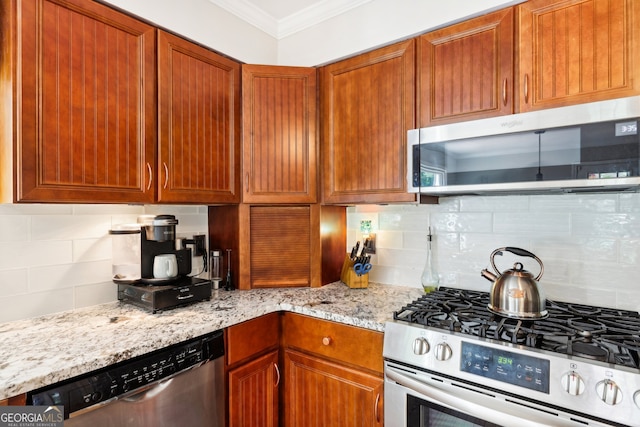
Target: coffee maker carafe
(158,245)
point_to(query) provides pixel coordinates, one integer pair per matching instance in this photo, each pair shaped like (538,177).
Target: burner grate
(598,333)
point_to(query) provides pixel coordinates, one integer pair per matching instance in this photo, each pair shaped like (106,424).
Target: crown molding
(248,12)
(315,14)
(291,24)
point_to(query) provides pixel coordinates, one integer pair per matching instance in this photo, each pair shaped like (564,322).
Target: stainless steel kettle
(515,292)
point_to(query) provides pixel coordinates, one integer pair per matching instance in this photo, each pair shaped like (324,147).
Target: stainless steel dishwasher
(181,385)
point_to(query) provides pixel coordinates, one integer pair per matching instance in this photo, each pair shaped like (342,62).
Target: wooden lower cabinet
(333,374)
(324,393)
(253,392)
(253,374)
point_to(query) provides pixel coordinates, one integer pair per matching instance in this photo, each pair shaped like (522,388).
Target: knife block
(350,278)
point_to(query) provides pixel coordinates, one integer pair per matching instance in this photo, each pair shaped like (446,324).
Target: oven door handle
(470,404)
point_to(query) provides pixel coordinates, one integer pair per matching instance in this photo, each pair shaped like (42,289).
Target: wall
(207,24)
(58,257)
(589,244)
(375,23)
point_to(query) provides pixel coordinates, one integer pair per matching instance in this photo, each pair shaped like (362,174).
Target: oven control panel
(502,365)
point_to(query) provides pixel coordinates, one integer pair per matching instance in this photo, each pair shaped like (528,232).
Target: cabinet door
(575,51)
(367,106)
(85,103)
(199,110)
(283,246)
(326,394)
(279,134)
(253,392)
(465,71)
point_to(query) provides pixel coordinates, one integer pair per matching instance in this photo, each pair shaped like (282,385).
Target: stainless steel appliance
(587,147)
(448,359)
(182,385)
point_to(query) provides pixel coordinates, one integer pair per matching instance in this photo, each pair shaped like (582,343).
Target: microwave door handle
(469,403)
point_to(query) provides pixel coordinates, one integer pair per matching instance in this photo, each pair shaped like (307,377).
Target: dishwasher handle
(468,402)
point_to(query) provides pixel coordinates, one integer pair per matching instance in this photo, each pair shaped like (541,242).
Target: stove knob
(421,346)
(636,398)
(609,392)
(573,383)
(443,351)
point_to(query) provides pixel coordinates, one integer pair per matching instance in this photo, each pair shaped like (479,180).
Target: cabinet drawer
(350,344)
(252,337)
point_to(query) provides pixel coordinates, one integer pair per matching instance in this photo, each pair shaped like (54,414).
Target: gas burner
(596,333)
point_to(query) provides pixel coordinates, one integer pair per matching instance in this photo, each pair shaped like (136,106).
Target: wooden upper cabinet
(465,71)
(84,102)
(576,51)
(279,134)
(367,107)
(199,111)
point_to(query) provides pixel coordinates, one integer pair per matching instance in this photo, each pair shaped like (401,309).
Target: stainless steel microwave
(587,147)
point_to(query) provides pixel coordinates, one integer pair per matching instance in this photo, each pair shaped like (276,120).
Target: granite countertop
(44,350)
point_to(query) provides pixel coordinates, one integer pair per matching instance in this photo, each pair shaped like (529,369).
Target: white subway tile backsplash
(35,304)
(619,225)
(13,282)
(14,228)
(630,252)
(532,223)
(98,293)
(589,243)
(57,257)
(69,275)
(479,222)
(92,249)
(494,204)
(59,227)
(579,203)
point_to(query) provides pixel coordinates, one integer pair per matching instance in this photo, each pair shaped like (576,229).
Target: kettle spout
(488,275)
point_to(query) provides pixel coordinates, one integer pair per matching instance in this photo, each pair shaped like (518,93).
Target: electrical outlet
(200,246)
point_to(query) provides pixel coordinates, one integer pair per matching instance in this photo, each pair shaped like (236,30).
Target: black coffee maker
(158,237)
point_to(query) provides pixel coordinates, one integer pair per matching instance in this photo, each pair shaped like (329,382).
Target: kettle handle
(519,252)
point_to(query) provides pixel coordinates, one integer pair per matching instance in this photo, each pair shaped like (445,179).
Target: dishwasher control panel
(127,377)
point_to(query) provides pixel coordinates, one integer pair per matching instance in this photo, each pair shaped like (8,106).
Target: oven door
(415,398)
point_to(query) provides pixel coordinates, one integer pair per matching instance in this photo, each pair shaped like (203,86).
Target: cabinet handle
(275,365)
(326,340)
(166,174)
(150,176)
(246,182)
(377,408)
(504,92)
(526,88)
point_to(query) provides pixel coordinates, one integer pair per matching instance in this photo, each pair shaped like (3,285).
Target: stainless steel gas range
(451,362)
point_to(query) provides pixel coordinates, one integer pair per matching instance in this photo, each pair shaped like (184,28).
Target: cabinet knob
(326,340)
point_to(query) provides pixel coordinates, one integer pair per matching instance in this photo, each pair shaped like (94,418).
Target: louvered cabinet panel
(367,106)
(86,108)
(280,246)
(576,51)
(279,134)
(199,110)
(465,71)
